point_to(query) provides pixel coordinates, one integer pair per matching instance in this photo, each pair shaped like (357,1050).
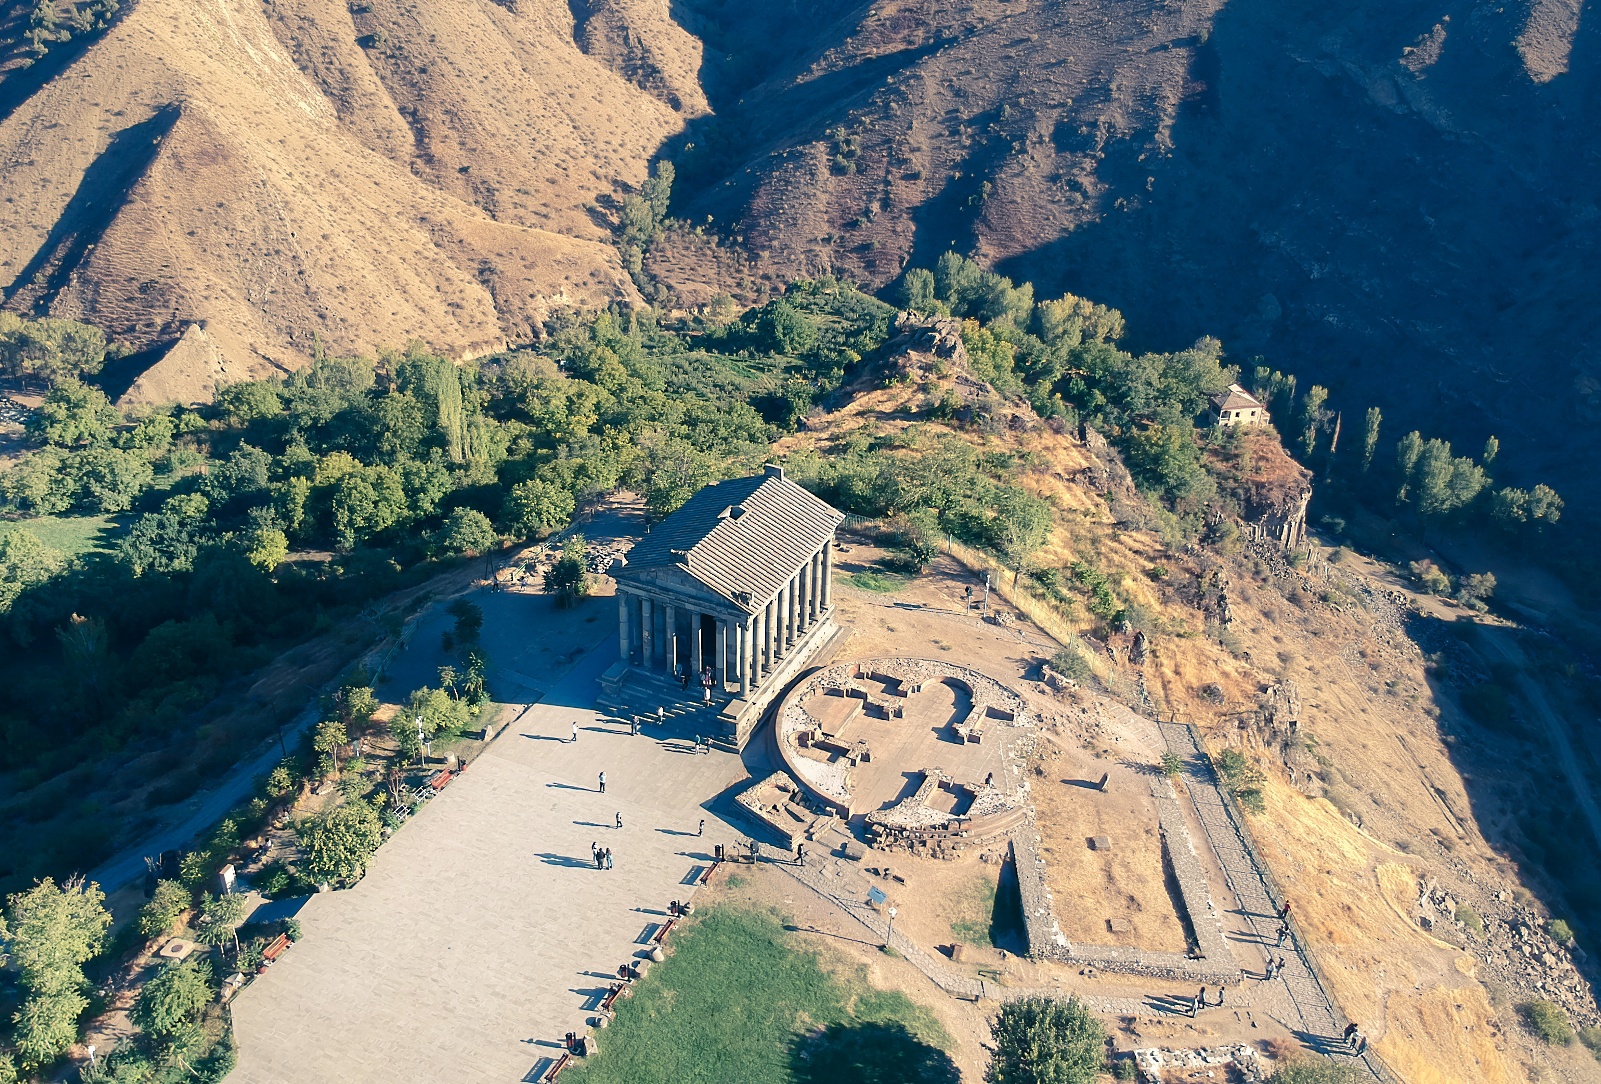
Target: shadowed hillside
(1395,199)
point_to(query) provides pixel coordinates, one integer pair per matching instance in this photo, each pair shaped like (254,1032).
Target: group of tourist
(708,678)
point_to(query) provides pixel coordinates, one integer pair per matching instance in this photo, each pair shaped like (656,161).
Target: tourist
(1350,1034)
(702,829)
(606,856)
(575,730)
(661,714)
(619,818)
(594,852)
(633,725)
(1220,990)
(1284,931)
(603,782)
(1200,998)
(1284,912)
(800,855)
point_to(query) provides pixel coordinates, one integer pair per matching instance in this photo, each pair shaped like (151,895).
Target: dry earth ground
(1405,784)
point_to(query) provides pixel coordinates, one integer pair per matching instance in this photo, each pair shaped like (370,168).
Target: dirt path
(1504,643)
(1319,1018)
(210,807)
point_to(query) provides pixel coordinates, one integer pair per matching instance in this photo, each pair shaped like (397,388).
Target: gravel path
(1320,1024)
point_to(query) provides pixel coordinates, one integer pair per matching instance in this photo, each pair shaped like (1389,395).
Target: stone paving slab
(482,927)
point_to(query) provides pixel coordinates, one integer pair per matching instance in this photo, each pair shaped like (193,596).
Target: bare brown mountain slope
(1396,200)
(431,185)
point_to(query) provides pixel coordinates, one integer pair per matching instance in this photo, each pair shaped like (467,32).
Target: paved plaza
(482,930)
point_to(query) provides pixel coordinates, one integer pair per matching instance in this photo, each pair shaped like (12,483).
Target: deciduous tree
(339,842)
(1046,1041)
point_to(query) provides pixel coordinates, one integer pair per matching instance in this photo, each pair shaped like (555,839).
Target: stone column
(758,646)
(805,607)
(786,616)
(647,632)
(793,614)
(622,625)
(721,677)
(670,638)
(817,585)
(828,575)
(694,642)
(770,634)
(742,657)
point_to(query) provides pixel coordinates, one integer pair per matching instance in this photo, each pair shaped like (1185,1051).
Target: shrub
(1488,704)
(469,621)
(169,900)
(1561,932)
(1547,1020)
(1243,779)
(1172,764)
(1469,918)
(1431,578)
(1315,1071)
(1590,1037)
(568,578)
(1073,663)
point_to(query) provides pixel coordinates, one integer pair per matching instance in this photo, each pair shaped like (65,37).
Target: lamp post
(422,742)
(890,935)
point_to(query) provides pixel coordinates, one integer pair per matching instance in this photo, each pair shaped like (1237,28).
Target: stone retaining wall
(1213,963)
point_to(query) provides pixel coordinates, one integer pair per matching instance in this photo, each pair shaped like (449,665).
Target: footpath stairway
(641,694)
(1320,1026)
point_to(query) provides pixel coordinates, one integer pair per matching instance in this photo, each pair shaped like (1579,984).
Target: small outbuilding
(1236,406)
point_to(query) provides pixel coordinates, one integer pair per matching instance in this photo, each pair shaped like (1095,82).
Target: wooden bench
(618,990)
(558,1067)
(660,936)
(434,785)
(279,946)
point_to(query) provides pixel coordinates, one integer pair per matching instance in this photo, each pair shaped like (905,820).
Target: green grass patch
(974,912)
(883,582)
(72,535)
(740,999)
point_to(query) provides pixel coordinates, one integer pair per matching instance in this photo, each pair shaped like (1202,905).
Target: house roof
(743,538)
(1236,398)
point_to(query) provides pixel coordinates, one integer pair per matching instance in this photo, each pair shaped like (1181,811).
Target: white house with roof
(1236,406)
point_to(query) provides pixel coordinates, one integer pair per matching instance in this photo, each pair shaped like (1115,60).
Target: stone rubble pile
(1514,949)
(1152,1062)
(13,411)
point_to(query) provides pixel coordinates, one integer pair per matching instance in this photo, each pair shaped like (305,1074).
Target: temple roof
(743,538)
